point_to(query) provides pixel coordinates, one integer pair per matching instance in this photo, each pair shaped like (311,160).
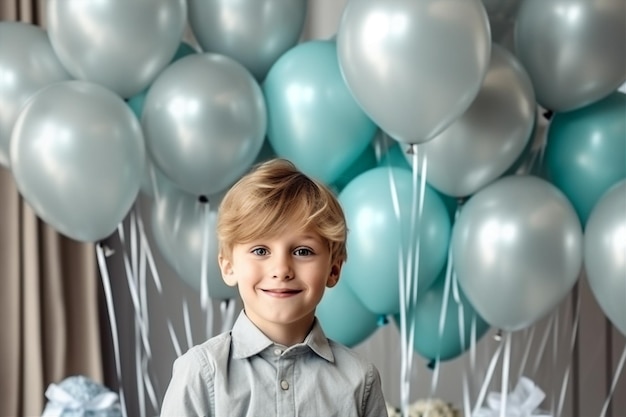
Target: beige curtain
(49,292)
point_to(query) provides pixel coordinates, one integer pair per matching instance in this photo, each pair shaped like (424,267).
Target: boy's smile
(281,281)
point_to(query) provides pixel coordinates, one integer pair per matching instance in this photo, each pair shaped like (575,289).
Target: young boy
(282,242)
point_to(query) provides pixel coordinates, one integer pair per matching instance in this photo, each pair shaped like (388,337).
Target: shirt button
(284,385)
(277,352)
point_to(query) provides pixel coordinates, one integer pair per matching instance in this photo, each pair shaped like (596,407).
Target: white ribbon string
(487,380)
(60,402)
(404,347)
(618,373)
(206,301)
(506,365)
(529,336)
(106,283)
(572,345)
(187,322)
(133,292)
(227,309)
(542,345)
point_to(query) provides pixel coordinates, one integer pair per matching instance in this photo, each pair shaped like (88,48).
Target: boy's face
(281,279)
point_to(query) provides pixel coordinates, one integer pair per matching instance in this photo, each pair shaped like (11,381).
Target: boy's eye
(303,252)
(260,251)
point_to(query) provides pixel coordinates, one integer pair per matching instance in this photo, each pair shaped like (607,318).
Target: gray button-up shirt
(243,373)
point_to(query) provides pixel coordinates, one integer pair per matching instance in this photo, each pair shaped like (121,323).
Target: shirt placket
(285,385)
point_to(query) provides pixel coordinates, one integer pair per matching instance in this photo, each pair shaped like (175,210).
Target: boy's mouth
(280,292)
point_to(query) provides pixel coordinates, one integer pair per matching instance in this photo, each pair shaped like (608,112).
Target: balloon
(27,64)
(313,120)
(414,66)
(605,254)
(120,44)
(204,119)
(376,236)
(253,32)
(517,250)
(344,318)
(585,152)
(77,155)
(573,50)
(365,162)
(178,227)
(489,137)
(425,318)
(136,102)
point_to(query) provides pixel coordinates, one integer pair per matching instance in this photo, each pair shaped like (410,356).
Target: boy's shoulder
(345,356)
(209,352)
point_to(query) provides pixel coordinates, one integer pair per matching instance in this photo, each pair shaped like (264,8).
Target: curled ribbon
(523,401)
(61,401)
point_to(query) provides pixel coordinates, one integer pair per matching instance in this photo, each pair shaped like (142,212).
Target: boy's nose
(282,269)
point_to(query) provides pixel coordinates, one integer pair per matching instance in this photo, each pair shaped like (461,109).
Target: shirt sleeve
(374,404)
(190,391)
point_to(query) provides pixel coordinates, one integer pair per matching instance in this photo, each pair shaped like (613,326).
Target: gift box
(79,396)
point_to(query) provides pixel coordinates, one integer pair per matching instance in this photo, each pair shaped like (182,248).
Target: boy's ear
(226,266)
(333,278)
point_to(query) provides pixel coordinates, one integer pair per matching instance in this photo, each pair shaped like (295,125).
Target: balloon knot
(382,320)
(203,199)
(431,364)
(548,114)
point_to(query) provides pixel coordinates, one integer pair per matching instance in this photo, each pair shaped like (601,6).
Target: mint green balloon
(429,342)
(376,236)
(313,119)
(343,316)
(586,151)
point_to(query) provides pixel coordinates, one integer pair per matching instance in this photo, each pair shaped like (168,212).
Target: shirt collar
(248,340)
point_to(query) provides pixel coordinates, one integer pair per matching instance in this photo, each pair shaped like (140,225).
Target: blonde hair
(276,195)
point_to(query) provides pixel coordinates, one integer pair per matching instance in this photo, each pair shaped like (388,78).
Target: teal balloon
(586,151)
(343,316)
(433,344)
(376,236)
(366,161)
(136,102)
(313,120)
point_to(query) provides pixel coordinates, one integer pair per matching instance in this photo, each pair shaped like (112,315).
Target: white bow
(61,401)
(523,401)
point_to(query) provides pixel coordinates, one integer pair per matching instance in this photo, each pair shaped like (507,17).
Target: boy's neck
(285,334)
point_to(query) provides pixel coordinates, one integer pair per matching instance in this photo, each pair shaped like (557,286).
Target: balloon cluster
(110,101)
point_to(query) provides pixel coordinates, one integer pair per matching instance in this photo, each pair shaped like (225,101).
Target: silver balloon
(120,44)
(488,138)
(205,120)
(517,250)
(605,254)
(573,50)
(77,155)
(179,224)
(253,32)
(414,66)
(27,64)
